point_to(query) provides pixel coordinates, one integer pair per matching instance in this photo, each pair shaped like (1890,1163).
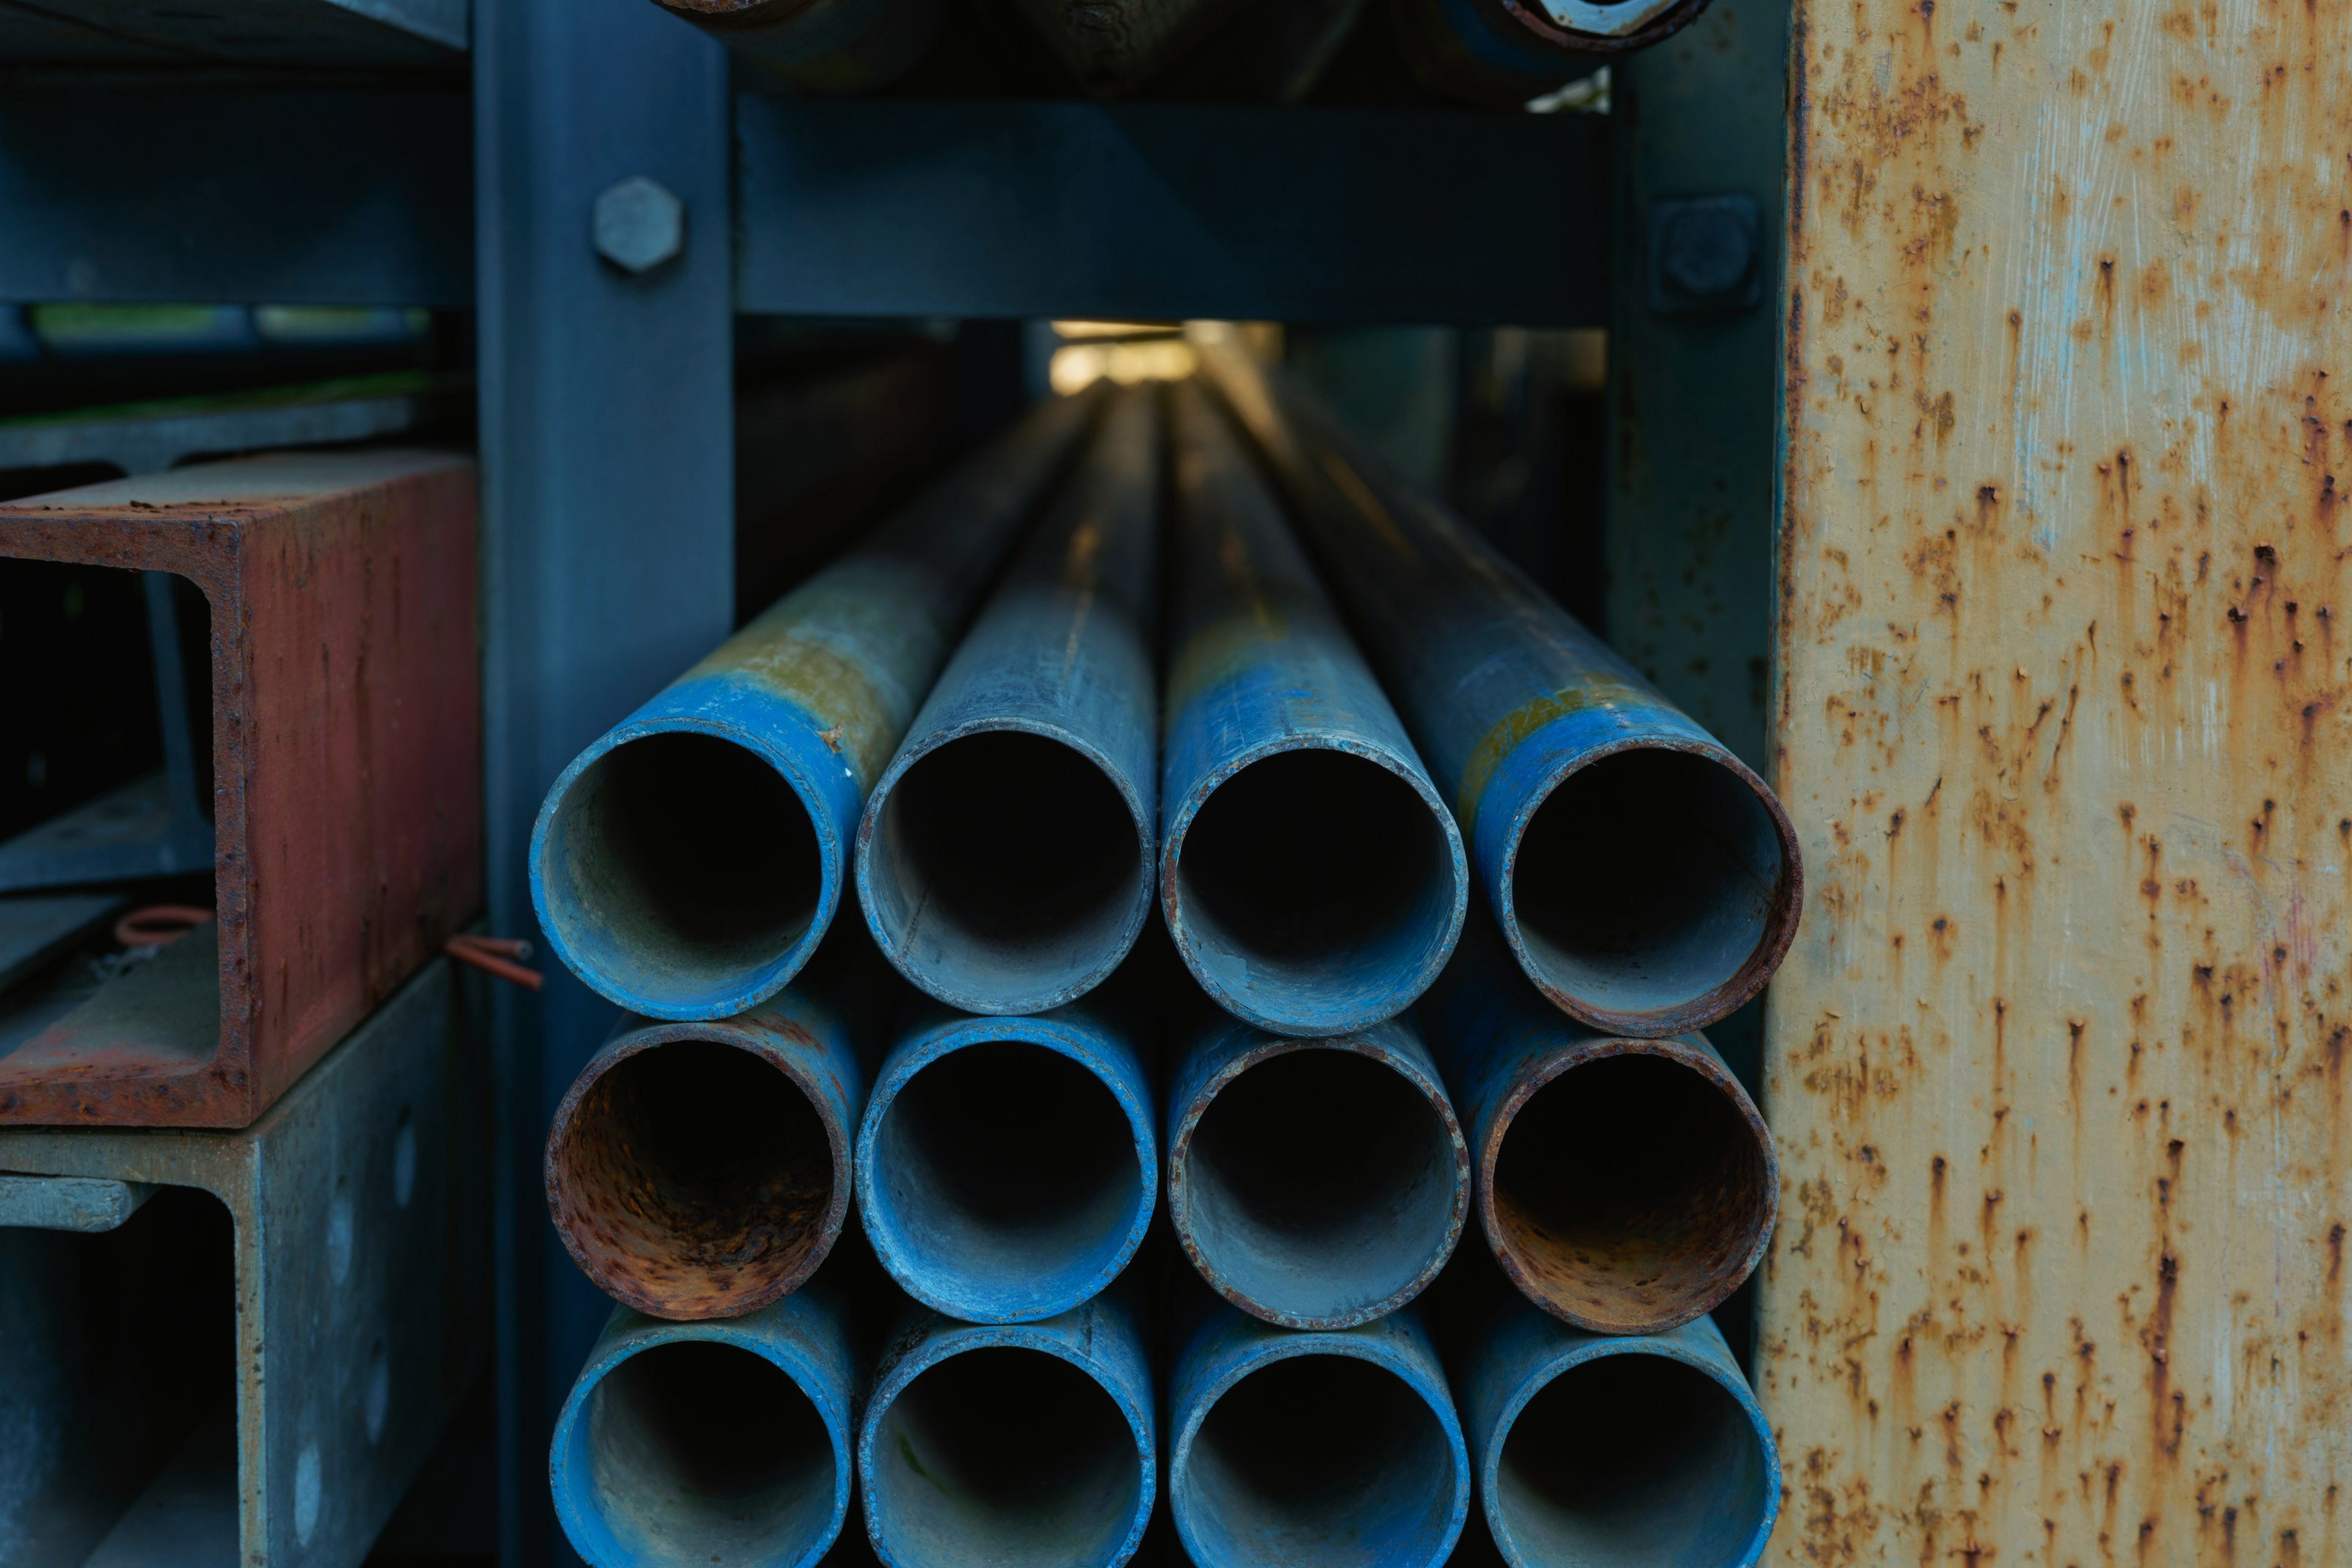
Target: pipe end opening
(1003,1456)
(1006,872)
(700,1451)
(1650,880)
(1632,1193)
(1319,888)
(1006,1180)
(695,1180)
(1323,1186)
(1319,1461)
(678,870)
(1629,1460)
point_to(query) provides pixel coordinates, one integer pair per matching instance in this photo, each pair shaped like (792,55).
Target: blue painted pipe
(1003,861)
(1007,1167)
(1309,872)
(1626,1186)
(1314,1183)
(1616,1451)
(686,864)
(1010,1446)
(722,1443)
(1646,880)
(1334,1448)
(700,1170)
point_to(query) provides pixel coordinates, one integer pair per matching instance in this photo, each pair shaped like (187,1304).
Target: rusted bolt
(1704,254)
(639,224)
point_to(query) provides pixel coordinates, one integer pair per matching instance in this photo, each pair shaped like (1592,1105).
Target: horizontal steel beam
(235,195)
(1166,211)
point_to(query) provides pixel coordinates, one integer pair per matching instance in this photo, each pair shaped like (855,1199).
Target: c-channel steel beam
(607,549)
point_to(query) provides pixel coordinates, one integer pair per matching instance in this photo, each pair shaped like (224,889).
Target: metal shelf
(1162,210)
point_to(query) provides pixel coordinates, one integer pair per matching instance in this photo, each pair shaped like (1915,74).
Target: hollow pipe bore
(701,1170)
(1029,1445)
(709,1442)
(1316,1184)
(1007,1169)
(1314,1450)
(1618,1452)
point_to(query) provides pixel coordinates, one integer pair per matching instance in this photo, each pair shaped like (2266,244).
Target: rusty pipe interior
(1632,1192)
(695,1180)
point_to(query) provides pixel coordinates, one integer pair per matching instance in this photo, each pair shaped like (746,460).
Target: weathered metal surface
(1113,47)
(1501,53)
(1599,1450)
(38,929)
(345,762)
(1007,1168)
(1646,879)
(700,1170)
(1314,1183)
(1335,1448)
(90,1205)
(361,1314)
(820,46)
(687,863)
(1004,861)
(719,1442)
(1309,873)
(1625,1185)
(2061,704)
(1010,1446)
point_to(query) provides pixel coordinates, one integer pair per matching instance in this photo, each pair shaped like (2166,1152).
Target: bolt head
(639,224)
(1706,253)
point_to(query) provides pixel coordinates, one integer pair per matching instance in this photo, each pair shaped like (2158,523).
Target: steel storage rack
(1997,526)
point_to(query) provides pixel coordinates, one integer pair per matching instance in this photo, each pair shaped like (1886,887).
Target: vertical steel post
(607,443)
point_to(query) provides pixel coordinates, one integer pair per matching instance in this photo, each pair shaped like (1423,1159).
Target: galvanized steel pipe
(1625,1185)
(1314,1183)
(1010,1446)
(1615,1451)
(1007,1167)
(720,1442)
(1309,872)
(702,1169)
(1325,1449)
(823,47)
(1647,881)
(686,864)
(1003,861)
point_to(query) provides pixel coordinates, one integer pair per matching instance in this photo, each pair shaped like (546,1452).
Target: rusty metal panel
(346,766)
(2057,1061)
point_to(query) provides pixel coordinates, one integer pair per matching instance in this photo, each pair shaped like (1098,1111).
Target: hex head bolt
(702,1169)
(1325,1449)
(1614,1451)
(1314,1183)
(722,1443)
(1007,1168)
(1010,1446)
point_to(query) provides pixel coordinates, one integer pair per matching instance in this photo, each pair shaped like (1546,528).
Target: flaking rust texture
(2057,1062)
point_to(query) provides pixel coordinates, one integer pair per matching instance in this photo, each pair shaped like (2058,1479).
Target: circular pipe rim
(723,1331)
(1583,1054)
(1718,1003)
(769,978)
(1180,824)
(1180,1202)
(941,1040)
(1550,1372)
(962,1338)
(1138,913)
(722,1032)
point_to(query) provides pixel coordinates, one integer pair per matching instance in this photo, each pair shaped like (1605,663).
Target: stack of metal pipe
(1452,892)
